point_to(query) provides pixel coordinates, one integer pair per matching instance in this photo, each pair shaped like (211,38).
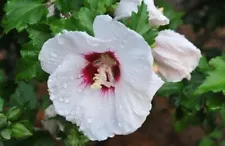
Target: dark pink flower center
(102,71)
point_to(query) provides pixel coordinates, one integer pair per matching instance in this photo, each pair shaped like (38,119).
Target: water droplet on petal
(67,101)
(54,55)
(65,85)
(52,97)
(72,78)
(61,99)
(89,121)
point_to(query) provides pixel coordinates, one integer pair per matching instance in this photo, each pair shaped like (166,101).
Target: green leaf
(222,113)
(13,113)
(99,6)
(39,34)
(19,131)
(206,142)
(57,25)
(84,19)
(187,120)
(150,36)
(1,104)
(21,13)
(169,89)
(216,134)
(3,120)
(139,21)
(24,95)
(215,81)
(68,5)
(203,65)
(1,143)
(44,141)
(29,65)
(6,134)
(214,103)
(222,143)
(74,137)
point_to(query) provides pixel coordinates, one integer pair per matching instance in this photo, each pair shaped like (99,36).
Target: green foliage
(1,104)
(140,23)
(20,131)
(215,80)
(13,113)
(21,13)
(74,137)
(68,6)
(24,96)
(6,134)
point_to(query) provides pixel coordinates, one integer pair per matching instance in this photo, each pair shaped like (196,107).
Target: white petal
(133,106)
(175,60)
(50,112)
(86,107)
(125,8)
(50,125)
(55,50)
(51,10)
(132,51)
(156,17)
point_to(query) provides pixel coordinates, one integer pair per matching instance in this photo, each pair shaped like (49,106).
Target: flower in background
(126,7)
(175,56)
(104,84)
(49,123)
(51,10)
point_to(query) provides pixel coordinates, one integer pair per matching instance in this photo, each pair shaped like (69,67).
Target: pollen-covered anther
(104,77)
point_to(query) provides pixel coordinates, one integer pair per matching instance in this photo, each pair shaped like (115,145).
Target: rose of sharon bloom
(126,7)
(175,56)
(104,84)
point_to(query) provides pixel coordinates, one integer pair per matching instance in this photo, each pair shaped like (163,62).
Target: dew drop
(89,121)
(65,85)
(61,99)
(54,55)
(67,101)
(52,97)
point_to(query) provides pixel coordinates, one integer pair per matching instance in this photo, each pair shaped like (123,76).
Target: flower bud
(175,56)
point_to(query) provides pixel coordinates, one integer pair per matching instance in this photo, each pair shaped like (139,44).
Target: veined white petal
(125,9)
(86,107)
(55,50)
(175,60)
(133,106)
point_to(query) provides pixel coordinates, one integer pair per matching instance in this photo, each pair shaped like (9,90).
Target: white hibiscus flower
(175,56)
(126,7)
(104,84)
